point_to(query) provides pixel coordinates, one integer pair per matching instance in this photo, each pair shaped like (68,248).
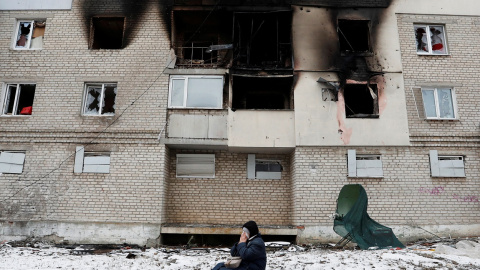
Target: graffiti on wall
(437,191)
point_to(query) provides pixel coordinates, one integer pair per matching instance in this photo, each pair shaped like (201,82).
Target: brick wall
(229,198)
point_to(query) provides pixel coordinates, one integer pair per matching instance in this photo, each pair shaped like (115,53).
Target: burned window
(201,38)
(107,32)
(18,99)
(99,99)
(262,39)
(353,35)
(430,39)
(29,34)
(261,92)
(361,100)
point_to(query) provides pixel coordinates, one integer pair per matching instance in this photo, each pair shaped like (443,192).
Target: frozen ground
(438,254)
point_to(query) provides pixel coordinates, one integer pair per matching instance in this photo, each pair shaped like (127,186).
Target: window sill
(431,54)
(363,177)
(88,115)
(35,49)
(364,54)
(193,108)
(442,119)
(366,116)
(15,116)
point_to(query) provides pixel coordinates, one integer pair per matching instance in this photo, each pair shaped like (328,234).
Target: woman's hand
(243,238)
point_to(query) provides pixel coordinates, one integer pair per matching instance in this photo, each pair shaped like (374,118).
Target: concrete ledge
(232,230)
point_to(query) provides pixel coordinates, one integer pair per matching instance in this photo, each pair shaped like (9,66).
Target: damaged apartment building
(172,122)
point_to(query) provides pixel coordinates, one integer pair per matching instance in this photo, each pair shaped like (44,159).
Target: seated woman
(250,248)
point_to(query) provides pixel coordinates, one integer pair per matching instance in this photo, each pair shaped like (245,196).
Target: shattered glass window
(430,39)
(18,99)
(439,103)
(29,34)
(100,99)
(196,92)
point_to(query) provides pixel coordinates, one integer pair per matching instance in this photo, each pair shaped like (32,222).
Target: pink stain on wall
(345,133)
(382,98)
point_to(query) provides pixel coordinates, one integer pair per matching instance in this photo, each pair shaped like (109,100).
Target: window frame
(429,41)
(186,79)
(11,161)
(352,162)
(253,174)
(81,154)
(206,156)
(3,99)
(29,41)
(437,170)
(102,96)
(437,106)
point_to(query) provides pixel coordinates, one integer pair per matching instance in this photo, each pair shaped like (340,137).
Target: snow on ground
(416,256)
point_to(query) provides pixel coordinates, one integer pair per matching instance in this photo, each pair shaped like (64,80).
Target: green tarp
(353,221)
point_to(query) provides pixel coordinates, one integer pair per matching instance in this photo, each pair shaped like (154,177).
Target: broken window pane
(200,92)
(107,32)
(353,35)
(18,99)
(361,100)
(30,34)
(100,99)
(261,92)
(430,39)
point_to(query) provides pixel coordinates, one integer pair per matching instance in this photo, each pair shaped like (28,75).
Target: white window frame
(29,42)
(437,106)
(364,165)
(429,41)
(12,162)
(252,172)
(446,165)
(91,162)
(198,162)
(185,91)
(4,99)
(102,95)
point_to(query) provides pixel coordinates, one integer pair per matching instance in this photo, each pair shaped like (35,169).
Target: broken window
(439,103)
(354,35)
(11,162)
(262,39)
(196,92)
(91,162)
(18,99)
(263,168)
(430,39)
(107,32)
(196,165)
(201,38)
(29,34)
(446,166)
(361,100)
(262,92)
(99,99)
(364,165)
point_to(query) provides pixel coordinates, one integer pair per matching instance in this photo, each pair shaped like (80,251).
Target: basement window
(361,100)
(269,93)
(11,162)
(263,39)
(18,99)
(29,34)
(364,165)
(99,99)
(263,168)
(446,166)
(430,39)
(91,162)
(107,32)
(439,103)
(354,35)
(204,92)
(196,165)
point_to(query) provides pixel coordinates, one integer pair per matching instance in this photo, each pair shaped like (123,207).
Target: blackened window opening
(353,35)
(361,101)
(261,92)
(107,32)
(262,39)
